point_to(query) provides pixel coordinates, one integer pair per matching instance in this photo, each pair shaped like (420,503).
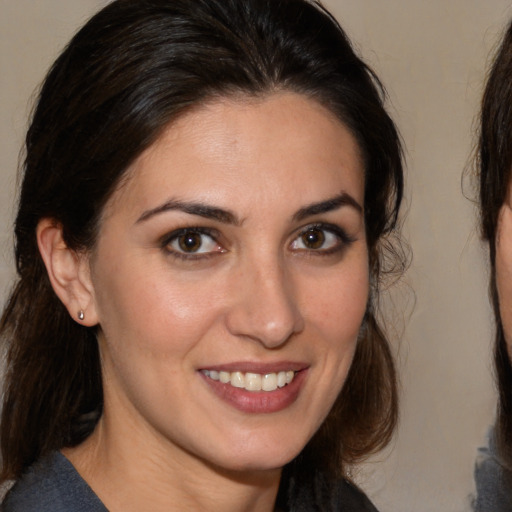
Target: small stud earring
(81,315)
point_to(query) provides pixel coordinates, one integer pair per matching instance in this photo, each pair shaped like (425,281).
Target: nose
(265,306)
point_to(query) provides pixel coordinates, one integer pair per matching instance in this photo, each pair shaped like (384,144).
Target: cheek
(152,325)
(335,315)
(337,306)
(151,311)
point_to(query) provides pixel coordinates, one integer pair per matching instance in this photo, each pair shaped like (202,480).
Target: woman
(208,191)
(493,471)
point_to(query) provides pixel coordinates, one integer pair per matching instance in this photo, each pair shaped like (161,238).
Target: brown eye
(190,242)
(321,239)
(313,238)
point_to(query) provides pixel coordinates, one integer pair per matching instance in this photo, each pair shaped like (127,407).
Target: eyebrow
(228,217)
(328,205)
(193,208)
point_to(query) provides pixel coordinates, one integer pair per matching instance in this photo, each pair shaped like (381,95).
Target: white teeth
(269,382)
(252,381)
(281,379)
(237,380)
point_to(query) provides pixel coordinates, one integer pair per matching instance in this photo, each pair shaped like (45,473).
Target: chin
(260,456)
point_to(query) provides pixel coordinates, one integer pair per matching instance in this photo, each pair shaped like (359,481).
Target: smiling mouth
(252,381)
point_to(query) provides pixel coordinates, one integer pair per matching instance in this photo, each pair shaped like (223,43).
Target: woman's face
(230,280)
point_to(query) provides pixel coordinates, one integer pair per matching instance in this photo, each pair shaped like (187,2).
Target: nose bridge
(265,306)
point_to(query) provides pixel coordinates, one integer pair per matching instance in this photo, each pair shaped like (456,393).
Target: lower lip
(258,402)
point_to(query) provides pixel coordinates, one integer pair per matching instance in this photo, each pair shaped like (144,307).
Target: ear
(69,273)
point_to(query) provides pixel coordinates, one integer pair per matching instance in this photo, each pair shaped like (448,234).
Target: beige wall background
(431,56)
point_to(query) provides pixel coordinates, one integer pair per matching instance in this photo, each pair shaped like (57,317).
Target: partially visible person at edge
(493,470)
(208,207)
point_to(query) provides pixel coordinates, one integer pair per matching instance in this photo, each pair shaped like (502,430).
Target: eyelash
(344,240)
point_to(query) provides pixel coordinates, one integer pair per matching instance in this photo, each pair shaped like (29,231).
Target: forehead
(283,145)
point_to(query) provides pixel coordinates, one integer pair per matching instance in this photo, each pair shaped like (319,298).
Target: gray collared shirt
(52,485)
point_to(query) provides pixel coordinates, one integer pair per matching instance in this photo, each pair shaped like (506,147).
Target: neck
(129,473)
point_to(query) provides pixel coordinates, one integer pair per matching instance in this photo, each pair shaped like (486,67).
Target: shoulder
(349,498)
(317,493)
(52,484)
(493,481)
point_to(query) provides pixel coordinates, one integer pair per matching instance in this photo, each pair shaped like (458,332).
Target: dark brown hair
(495,162)
(129,72)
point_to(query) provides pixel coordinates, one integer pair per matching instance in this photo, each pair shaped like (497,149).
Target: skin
(504,269)
(255,293)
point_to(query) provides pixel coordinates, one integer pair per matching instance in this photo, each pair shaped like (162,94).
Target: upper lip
(258,367)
